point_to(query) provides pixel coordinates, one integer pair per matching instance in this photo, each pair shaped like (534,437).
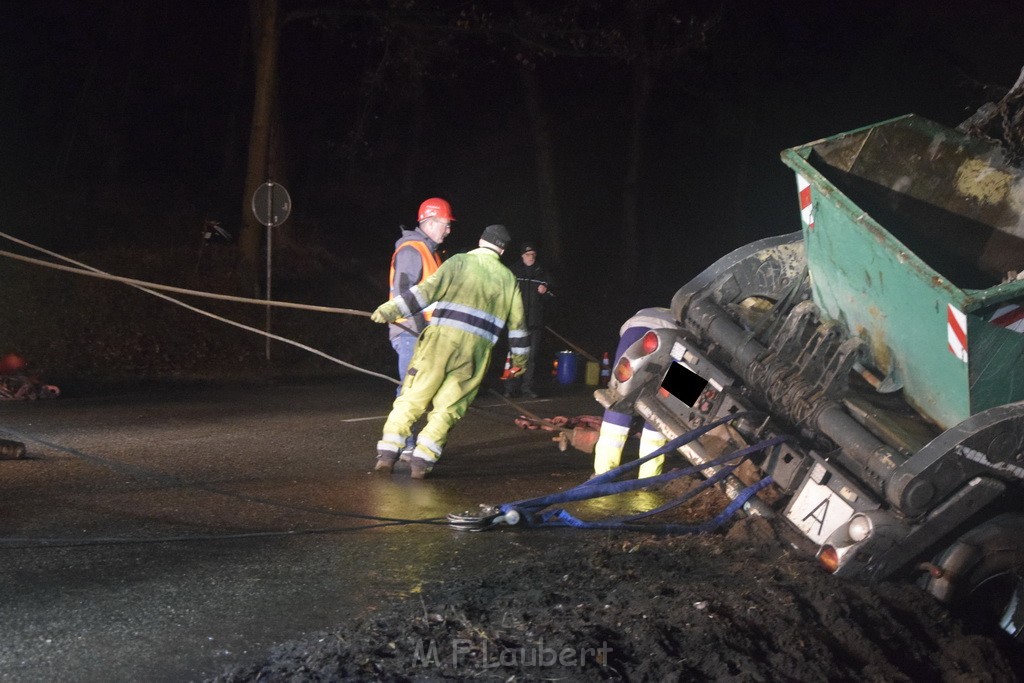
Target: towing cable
(530,512)
(79,268)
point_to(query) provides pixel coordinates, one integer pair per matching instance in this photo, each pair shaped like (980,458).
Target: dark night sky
(126,121)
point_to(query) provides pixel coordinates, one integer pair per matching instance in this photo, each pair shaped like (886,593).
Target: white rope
(96,273)
(150,287)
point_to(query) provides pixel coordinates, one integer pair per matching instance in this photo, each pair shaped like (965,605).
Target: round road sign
(271,204)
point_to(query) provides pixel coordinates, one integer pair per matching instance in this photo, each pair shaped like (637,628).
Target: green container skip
(909,230)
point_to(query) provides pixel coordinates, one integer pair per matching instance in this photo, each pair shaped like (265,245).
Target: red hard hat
(435,207)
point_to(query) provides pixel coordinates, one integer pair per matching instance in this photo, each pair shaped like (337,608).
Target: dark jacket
(530,277)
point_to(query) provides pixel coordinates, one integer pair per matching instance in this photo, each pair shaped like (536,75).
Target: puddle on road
(401,498)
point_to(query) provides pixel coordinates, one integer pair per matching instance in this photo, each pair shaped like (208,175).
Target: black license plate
(684,384)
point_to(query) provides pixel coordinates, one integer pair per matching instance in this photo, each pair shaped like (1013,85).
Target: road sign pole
(271,205)
(270,252)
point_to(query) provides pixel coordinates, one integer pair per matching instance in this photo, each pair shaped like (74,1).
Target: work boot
(385,462)
(420,467)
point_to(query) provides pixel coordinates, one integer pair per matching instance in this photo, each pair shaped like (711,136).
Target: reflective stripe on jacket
(476,294)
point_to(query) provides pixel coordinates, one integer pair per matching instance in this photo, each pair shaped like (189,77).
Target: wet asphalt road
(166,533)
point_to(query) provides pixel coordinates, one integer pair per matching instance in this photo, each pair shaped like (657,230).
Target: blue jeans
(404,344)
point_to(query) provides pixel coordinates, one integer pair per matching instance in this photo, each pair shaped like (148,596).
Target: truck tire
(981,576)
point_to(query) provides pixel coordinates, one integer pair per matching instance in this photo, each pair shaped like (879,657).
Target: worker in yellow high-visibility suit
(475,296)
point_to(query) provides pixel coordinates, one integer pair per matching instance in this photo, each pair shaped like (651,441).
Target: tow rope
(155,289)
(530,512)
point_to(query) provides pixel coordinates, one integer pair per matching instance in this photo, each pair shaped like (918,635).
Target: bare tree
(642,83)
(647,37)
(415,41)
(259,167)
(551,229)
(658,39)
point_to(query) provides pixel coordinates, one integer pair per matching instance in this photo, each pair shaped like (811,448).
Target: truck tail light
(650,342)
(828,558)
(623,370)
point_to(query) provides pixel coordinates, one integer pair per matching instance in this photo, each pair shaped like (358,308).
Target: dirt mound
(738,606)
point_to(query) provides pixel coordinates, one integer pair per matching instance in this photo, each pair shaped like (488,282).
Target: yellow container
(593,374)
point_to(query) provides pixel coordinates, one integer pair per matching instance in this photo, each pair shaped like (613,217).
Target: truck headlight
(859,528)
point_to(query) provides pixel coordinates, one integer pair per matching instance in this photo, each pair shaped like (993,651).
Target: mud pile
(738,606)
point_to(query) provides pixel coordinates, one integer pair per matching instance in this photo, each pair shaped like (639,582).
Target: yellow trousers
(612,440)
(444,374)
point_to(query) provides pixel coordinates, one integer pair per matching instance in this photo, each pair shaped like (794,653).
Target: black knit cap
(527,246)
(497,235)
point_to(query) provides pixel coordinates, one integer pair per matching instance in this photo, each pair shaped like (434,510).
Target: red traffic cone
(606,369)
(507,372)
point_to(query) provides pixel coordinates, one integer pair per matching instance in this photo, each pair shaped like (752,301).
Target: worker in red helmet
(414,260)
(435,207)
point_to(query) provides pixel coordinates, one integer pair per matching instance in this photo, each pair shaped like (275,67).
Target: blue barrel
(567,367)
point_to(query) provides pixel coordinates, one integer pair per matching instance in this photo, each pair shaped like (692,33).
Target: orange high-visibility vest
(431,262)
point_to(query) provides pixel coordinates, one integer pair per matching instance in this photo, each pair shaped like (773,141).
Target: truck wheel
(981,576)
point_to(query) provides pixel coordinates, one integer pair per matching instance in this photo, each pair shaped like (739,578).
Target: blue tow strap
(563,518)
(530,510)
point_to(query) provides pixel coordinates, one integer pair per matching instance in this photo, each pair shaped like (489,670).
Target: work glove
(381,315)
(514,372)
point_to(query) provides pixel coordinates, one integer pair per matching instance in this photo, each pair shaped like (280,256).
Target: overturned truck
(885,340)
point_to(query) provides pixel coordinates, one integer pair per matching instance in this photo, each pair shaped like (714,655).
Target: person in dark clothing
(535,285)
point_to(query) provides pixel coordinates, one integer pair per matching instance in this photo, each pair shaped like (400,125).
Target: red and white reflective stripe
(806,210)
(956,332)
(1010,316)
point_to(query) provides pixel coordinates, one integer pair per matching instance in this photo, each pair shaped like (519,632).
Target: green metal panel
(912,226)
(996,363)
